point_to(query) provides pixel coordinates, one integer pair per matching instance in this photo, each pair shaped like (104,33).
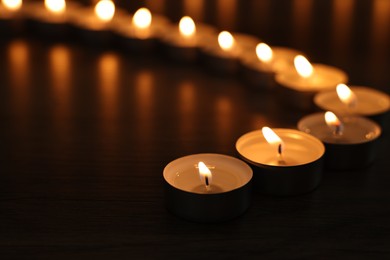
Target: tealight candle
(261,64)
(299,86)
(94,24)
(181,43)
(10,15)
(221,54)
(207,187)
(141,30)
(284,161)
(350,143)
(356,100)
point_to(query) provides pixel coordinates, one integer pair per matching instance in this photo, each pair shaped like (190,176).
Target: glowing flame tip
(346,95)
(264,52)
(226,40)
(12,5)
(105,10)
(142,18)
(303,66)
(187,27)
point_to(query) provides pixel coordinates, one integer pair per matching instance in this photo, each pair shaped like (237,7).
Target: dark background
(85,133)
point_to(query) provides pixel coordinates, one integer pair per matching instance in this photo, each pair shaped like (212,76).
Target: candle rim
(319,118)
(321,97)
(245,174)
(294,81)
(280,131)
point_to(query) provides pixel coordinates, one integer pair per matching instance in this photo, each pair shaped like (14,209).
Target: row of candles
(282,162)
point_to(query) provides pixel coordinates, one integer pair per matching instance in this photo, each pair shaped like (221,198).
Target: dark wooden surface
(86,132)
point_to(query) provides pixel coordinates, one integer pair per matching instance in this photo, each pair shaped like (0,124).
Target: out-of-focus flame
(346,95)
(105,10)
(142,18)
(12,5)
(226,40)
(187,27)
(55,6)
(303,66)
(264,52)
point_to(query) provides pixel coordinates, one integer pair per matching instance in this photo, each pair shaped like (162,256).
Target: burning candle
(300,85)
(10,15)
(51,11)
(182,42)
(139,33)
(207,187)
(350,142)
(356,100)
(51,17)
(94,24)
(9,8)
(284,161)
(221,54)
(260,65)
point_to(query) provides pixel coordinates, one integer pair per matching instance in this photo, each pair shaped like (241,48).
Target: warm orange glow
(105,10)
(12,5)
(55,6)
(264,52)
(303,66)
(187,27)
(226,41)
(142,18)
(334,123)
(272,138)
(346,95)
(204,173)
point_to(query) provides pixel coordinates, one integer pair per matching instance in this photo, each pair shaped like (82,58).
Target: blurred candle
(182,41)
(300,86)
(260,66)
(356,100)
(10,5)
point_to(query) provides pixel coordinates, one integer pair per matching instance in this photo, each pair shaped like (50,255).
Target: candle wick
(207,182)
(338,130)
(280,157)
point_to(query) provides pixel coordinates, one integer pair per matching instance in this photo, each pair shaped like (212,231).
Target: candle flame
(187,27)
(105,10)
(334,123)
(55,6)
(264,52)
(226,41)
(346,95)
(12,5)
(272,138)
(204,173)
(303,66)
(142,18)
